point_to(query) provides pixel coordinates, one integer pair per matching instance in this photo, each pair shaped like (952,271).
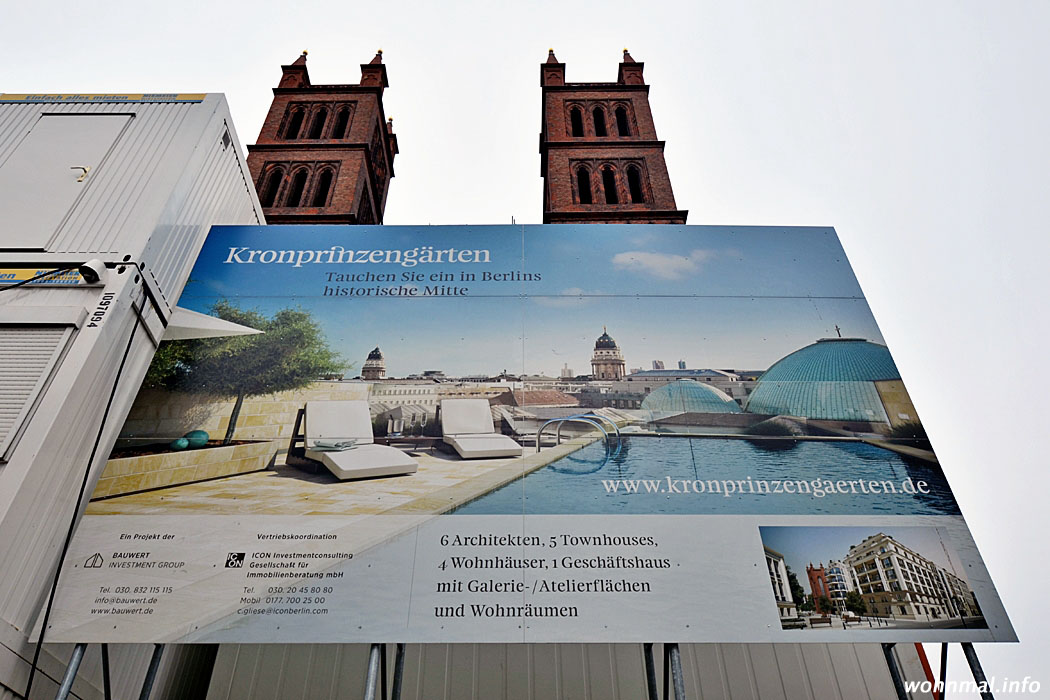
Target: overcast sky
(918,130)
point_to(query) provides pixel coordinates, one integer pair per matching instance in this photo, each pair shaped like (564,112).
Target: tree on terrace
(290,353)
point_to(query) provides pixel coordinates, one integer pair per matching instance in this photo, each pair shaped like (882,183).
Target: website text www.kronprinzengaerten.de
(728,488)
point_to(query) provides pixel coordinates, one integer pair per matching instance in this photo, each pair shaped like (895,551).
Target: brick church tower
(325,154)
(818,587)
(599,156)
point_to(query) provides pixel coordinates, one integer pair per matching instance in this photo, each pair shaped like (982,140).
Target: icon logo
(94,561)
(234,560)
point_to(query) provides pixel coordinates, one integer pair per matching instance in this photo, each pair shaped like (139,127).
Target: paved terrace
(442,482)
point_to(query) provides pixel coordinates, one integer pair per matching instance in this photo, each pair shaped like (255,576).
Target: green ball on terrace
(197,438)
(179,444)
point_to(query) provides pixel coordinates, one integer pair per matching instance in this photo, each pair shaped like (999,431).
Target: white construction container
(133,182)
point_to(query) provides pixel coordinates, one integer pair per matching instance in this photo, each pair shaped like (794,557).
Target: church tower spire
(600,159)
(325,154)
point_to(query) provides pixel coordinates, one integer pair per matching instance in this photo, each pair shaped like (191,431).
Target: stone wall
(160,416)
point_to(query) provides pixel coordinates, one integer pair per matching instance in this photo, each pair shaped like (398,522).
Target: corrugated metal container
(156,176)
(556,671)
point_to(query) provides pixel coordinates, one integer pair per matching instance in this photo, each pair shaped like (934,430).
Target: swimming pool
(692,476)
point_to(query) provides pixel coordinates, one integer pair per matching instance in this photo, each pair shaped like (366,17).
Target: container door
(49,171)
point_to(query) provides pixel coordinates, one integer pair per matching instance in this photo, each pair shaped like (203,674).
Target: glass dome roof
(375,354)
(688,396)
(833,379)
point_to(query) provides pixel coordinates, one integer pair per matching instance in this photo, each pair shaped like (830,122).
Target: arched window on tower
(271,186)
(599,122)
(583,184)
(609,185)
(324,186)
(623,128)
(634,184)
(317,127)
(295,192)
(295,123)
(576,118)
(342,120)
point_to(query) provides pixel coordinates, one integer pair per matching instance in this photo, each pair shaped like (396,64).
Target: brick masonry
(570,145)
(353,143)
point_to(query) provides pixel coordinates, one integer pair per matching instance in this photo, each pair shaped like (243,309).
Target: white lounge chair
(329,423)
(466,424)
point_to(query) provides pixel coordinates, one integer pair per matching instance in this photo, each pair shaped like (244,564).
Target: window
(317,127)
(324,185)
(599,122)
(622,127)
(295,123)
(295,192)
(609,184)
(583,184)
(271,186)
(576,120)
(634,184)
(342,121)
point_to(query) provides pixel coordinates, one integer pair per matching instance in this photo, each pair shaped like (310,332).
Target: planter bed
(142,472)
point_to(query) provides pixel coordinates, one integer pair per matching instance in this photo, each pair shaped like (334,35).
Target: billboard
(449,434)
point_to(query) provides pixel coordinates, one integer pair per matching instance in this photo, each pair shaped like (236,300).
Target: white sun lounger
(466,424)
(332,422)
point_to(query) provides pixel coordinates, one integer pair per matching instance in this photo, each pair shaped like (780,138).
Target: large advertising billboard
(525,434)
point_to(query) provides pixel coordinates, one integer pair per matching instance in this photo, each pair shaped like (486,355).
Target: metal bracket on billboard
(673,675)
(376,678)
(78,656)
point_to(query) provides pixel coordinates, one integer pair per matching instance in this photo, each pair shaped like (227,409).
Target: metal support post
(106,688)
(977,671)
(673,672)
(399,672)
(895,672)
(677,676)
(71,672)
(653,691)
(944,671)
(151,672)
(372,678)
(382,672)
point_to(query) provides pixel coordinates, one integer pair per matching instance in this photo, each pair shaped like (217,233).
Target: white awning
(185,325)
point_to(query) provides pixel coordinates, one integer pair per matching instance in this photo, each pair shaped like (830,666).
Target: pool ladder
(590,419)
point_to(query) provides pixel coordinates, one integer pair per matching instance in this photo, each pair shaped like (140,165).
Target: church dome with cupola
(607,362)
(375,365)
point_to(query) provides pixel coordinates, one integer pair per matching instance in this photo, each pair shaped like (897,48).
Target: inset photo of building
(868,578)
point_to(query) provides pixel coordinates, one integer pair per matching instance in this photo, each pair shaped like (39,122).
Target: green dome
(605,341)
(832,379)
(688,396)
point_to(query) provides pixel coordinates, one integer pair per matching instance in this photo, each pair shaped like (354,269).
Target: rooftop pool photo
(699,476)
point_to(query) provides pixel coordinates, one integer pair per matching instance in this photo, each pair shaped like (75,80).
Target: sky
(917,130)
(722,297)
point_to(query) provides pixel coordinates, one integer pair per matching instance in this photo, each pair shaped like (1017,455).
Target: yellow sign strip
(12,275)
(74,97)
